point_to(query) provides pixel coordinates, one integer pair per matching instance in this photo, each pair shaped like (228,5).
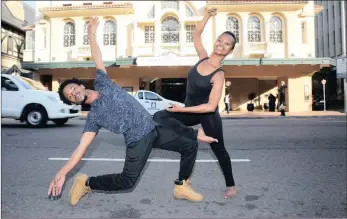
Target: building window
(276,33)
(189,12)
(69,34)
(254,29)
(10,44)
(232,25)
(29,40)
(151,12)
(333,11)
(149,34)
(170,30)
(110,33)
(170,4)
(85,34)
(189,32)
(303,32)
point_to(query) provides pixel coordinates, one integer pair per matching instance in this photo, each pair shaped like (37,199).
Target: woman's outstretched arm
(198,31)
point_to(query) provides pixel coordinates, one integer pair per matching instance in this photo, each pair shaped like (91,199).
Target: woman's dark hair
(233,36)
(63,85)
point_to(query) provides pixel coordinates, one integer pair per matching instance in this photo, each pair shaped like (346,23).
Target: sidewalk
(264,115)
(269,115)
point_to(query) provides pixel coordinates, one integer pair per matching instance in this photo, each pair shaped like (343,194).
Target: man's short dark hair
(63,85)
(233,36)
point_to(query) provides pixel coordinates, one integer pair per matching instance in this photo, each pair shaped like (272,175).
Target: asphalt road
(282,167)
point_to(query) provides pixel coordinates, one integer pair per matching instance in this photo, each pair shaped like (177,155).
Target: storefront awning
(182,61)
(122,62)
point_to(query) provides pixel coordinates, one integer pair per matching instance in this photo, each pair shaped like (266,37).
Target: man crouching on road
(117,111)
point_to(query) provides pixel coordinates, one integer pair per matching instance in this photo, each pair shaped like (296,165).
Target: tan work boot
(184,191)
(79,189)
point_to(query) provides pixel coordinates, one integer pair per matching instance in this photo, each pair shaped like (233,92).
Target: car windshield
(30,84)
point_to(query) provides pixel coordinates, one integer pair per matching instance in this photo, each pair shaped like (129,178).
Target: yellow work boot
(184,191)
(79,189)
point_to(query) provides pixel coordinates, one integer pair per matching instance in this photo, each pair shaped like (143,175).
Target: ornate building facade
(149,45)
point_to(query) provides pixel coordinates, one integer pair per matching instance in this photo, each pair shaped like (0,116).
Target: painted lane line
(149,160)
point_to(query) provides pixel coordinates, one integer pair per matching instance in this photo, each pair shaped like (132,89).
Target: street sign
(341,66)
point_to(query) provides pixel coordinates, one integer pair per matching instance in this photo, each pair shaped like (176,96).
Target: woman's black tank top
(198,86)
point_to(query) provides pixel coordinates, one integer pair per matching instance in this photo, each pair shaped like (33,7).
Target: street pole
(324,96)
(324,82)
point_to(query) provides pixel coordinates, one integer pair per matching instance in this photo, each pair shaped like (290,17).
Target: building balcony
(80,52)
(170,48)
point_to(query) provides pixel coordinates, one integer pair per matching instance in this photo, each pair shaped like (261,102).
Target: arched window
(69,34)
(276,33)
(85,34)
(253,26)
(170,30)
(110,34)
(232,24)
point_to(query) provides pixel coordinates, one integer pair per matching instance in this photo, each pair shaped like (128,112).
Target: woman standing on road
(205,84)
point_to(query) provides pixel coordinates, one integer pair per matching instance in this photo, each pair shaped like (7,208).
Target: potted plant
(250,106)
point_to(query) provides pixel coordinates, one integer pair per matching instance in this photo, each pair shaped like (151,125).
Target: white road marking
(149,160)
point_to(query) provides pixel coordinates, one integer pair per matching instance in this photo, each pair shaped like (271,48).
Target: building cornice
(83,7)
(86,10)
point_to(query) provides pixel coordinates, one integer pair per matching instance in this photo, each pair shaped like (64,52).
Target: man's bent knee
(158,116)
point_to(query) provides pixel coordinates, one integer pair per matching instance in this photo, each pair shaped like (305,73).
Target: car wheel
(60,122)
(36,118)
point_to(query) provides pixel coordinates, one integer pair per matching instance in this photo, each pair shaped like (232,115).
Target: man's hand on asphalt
(56,186)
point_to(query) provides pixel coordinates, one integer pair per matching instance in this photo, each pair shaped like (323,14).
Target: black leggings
(212,125)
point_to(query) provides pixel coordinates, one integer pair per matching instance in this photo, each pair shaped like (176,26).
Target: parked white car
(27,100)
(153,102)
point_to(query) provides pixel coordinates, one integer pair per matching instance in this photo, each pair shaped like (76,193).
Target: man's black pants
(137,154)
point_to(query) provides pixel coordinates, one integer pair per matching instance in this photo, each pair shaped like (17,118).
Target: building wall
(241,87)
(328,29)
(10,35)
(131,32)
(297,28)
(330,40)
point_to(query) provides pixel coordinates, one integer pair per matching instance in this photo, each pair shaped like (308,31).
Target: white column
(244,34)
(134,42)
(157,37)
(182,38)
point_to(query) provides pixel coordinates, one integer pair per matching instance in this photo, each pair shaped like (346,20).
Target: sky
(31,3)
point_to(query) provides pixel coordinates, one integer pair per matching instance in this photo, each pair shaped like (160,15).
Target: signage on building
(341,67)
(167,60)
